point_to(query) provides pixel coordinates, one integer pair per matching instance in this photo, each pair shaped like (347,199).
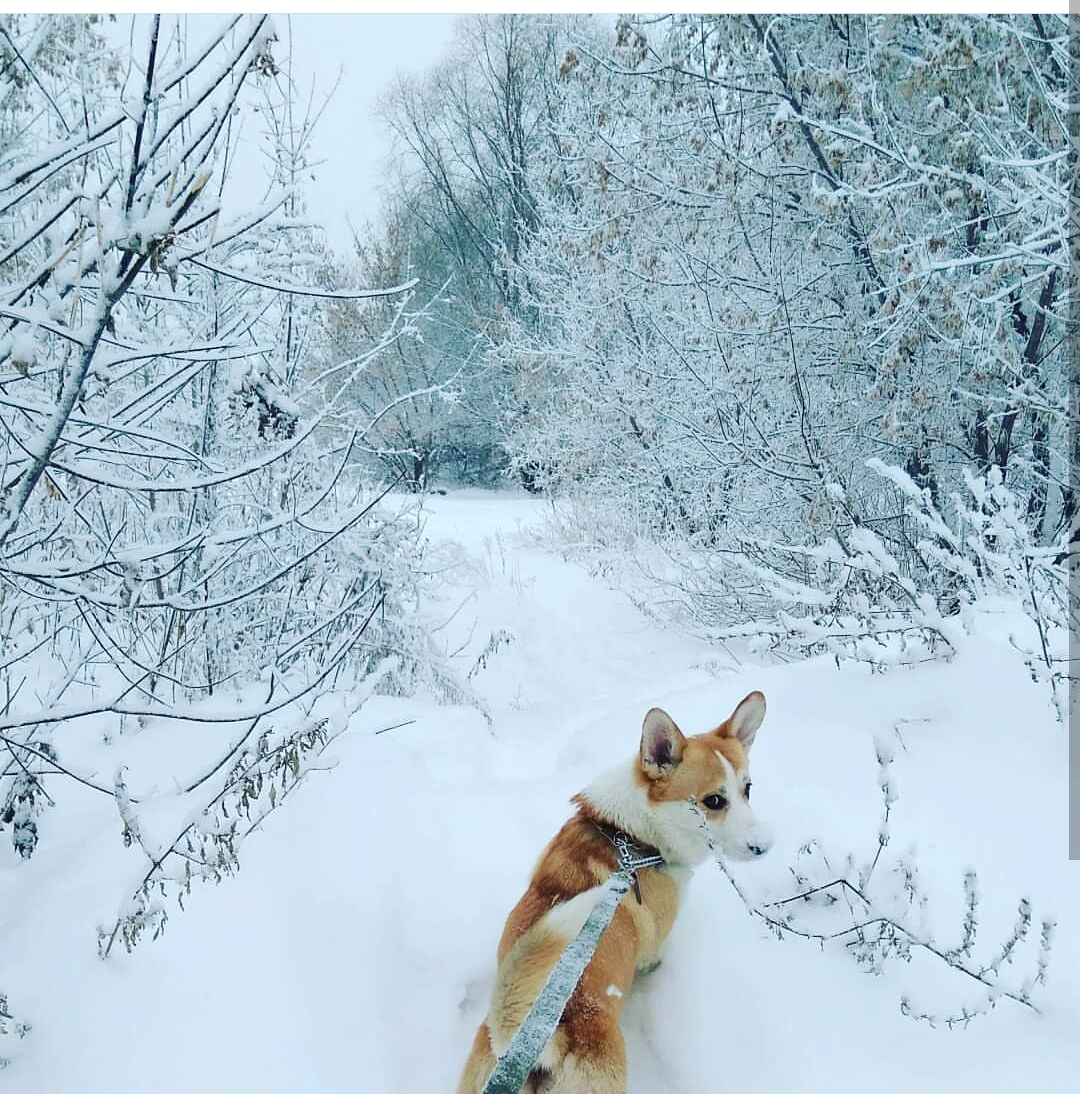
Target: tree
(783,247)
(178,544)
(473,148)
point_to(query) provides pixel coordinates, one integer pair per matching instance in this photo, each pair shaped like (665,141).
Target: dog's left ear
(662,744)
(746,718)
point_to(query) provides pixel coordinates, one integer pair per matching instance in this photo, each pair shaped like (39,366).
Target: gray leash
(513,1066)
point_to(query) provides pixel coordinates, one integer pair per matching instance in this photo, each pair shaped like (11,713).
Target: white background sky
(350,144)
(367,50)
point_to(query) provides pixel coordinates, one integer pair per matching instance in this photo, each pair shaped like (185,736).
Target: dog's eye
(715,802)
(746,791)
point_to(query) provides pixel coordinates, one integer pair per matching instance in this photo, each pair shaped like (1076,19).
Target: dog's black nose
(757,848)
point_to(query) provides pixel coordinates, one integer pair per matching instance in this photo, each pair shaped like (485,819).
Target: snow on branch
(868,605)
(184,536)
(262,773)
(311,292)
(884,917)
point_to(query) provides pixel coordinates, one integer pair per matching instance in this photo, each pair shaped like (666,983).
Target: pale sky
(367,51)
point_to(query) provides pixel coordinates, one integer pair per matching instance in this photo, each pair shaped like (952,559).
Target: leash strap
(513,1066)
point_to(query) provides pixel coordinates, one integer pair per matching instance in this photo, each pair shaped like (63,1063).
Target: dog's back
(585,1055)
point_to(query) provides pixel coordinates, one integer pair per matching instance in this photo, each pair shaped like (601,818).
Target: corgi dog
(659,803)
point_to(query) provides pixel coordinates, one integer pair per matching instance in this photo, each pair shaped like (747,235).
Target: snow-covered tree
(179,543)
(778,248)
(472,145)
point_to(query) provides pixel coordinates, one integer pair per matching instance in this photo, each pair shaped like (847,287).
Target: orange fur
(587,1054)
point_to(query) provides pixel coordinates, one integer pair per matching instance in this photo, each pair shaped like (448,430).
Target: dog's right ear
(661,744)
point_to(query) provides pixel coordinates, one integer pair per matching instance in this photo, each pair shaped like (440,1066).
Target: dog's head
(712,771)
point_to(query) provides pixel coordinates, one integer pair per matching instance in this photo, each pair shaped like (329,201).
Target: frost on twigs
(879,914)
(495,643)
(261,775)
(180,511)
(856,598)
(11,1031)
(23,795)
(889,920)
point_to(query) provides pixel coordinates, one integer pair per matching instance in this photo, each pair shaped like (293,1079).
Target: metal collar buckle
(633,858)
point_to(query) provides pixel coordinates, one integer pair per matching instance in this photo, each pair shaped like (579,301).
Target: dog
(646,803)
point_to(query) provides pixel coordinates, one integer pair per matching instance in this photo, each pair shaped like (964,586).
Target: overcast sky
(366,51)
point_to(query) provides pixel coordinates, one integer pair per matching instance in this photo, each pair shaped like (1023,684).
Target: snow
(367,911)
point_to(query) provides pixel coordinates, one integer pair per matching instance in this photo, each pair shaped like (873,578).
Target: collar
(634,855)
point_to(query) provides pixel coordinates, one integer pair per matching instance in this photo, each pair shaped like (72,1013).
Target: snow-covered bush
(879,912)
(854,597)
(779,248)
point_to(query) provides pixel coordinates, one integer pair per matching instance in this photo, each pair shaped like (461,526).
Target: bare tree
(473,141)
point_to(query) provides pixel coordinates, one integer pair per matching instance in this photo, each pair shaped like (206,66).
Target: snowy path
(355,951)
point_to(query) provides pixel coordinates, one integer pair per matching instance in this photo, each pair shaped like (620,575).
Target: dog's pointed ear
(746,718)
(662,744)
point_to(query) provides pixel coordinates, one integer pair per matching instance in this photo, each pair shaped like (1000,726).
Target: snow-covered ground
(356,949)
